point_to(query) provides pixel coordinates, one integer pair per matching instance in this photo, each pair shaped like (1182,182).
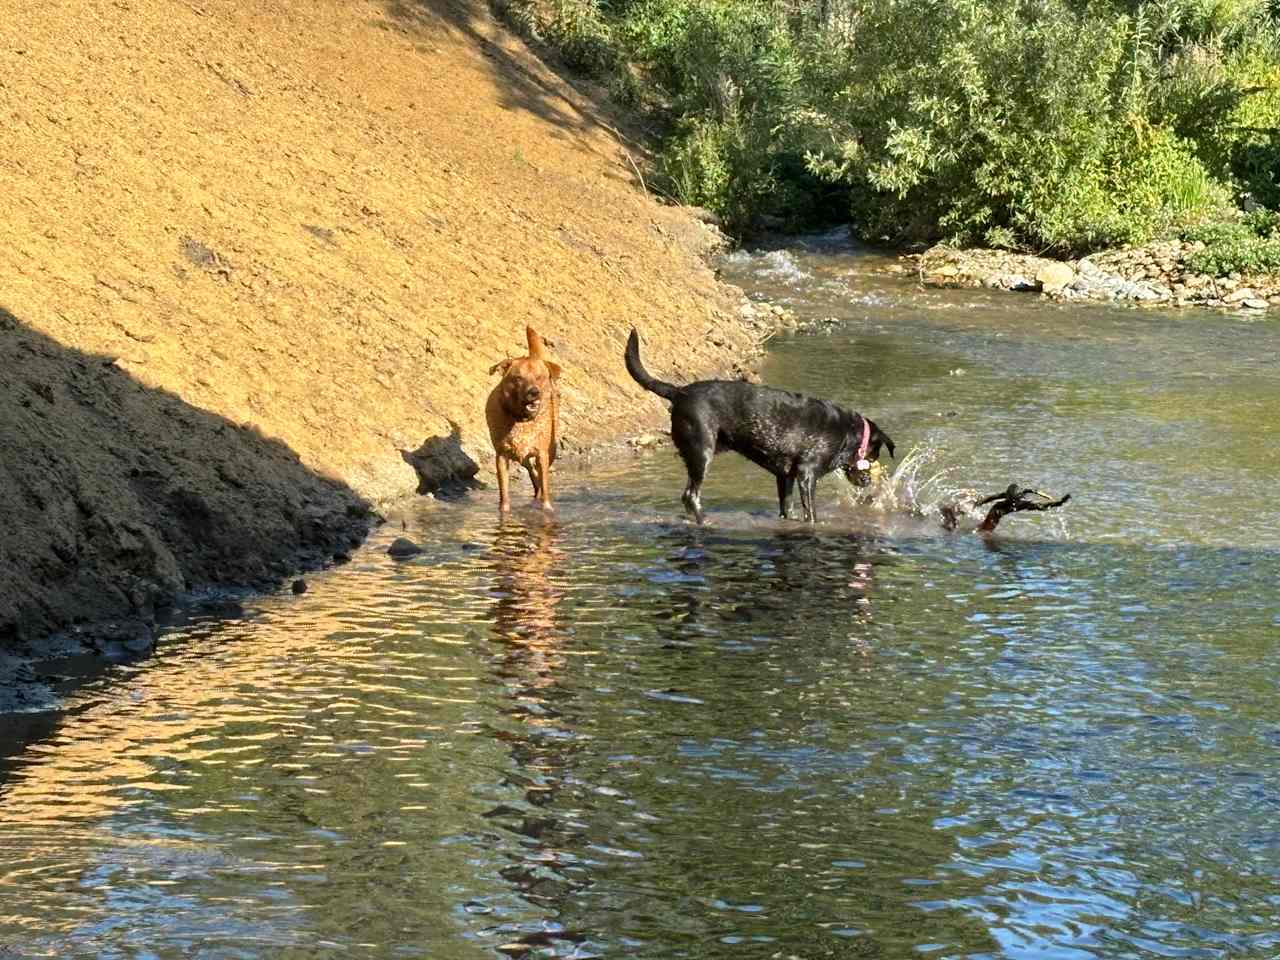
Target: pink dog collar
(863,463)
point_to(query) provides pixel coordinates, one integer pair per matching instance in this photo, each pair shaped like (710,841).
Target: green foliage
(1248,245)
(1060,125)
(975,117)
(576,29)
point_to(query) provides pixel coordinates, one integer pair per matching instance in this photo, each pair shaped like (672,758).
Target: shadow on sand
(119,499)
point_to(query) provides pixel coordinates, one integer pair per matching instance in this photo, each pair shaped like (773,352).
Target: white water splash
(919,486)
(778,266)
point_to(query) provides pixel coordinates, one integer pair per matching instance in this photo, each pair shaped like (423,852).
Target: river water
(610,733)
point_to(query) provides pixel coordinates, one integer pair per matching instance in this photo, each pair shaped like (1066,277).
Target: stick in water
(1013,499)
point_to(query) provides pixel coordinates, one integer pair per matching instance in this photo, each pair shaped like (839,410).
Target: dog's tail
(640,375)
(535,342)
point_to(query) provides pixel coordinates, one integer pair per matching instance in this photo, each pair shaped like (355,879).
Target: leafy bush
(1247,245)
(1060,125)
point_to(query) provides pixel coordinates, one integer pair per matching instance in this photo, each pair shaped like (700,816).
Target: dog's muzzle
(523,405)
(531,403)
(864,478)
(860,478)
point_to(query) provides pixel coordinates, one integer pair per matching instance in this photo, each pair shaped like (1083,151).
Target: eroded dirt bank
(257,260)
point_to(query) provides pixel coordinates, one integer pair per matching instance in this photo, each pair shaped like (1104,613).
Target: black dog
(792,436)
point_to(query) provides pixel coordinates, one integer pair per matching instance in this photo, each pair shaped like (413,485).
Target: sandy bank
(257,260)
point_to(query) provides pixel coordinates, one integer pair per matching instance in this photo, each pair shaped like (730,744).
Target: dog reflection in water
(528,625)
(525,611)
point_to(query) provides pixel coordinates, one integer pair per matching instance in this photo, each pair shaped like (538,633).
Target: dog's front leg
(786,483)
(504,499)
(542,460)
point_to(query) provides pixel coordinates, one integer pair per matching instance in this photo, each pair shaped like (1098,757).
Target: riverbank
(1155,274)
(260,261)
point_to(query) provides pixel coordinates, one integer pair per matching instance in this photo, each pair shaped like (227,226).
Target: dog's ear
(553,369)
(880,438)
(501,367)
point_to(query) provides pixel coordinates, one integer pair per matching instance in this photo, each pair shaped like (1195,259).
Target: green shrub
(1240,254)
(1250,244)
(1062,125)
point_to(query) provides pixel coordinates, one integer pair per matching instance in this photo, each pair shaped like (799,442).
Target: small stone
(1256,303)
(1054,276)
(402,547)
(1244,293)
(299,586)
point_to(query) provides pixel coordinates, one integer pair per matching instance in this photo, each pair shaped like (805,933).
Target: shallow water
(608,733)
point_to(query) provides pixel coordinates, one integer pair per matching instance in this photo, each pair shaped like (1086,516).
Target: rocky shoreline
(1153,275)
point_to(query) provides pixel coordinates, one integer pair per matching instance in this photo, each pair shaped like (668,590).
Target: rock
(1015,281)
(1256,303)
(949,270)
(341,556)
(1054,276)
(402,547)
(299,586)
(1241,294)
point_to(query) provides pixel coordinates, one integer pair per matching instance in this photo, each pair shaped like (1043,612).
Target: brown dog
(523,414)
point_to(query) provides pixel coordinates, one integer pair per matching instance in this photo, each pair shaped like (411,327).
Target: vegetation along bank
(1059,129)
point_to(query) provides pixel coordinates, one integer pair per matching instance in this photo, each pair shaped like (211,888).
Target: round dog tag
(863,464)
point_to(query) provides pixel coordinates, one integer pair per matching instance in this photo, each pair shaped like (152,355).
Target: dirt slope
(321,221)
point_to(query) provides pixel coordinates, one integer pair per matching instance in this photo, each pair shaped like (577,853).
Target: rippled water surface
(608,733)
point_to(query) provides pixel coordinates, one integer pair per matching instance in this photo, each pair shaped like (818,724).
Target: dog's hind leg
(692,498)
(696,446)
(786,483)
(531,468)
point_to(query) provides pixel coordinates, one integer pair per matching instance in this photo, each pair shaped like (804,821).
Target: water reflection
(531,634)
(608,732)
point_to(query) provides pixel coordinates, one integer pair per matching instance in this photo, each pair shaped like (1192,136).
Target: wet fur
(796,438)
(523,413)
